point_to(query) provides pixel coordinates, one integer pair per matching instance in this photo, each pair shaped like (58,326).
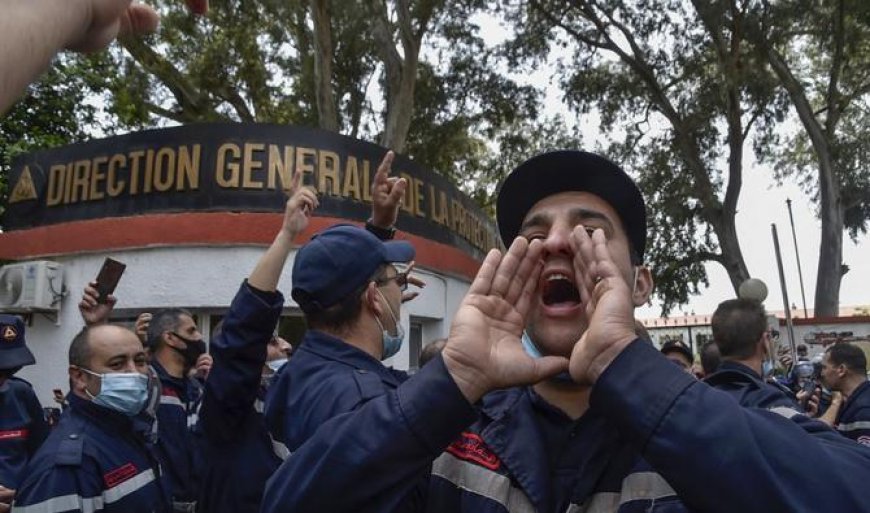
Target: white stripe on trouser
(89,504)
(635,487)
(854,426)
(482,481)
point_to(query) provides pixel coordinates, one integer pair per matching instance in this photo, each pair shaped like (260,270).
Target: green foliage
(54,111)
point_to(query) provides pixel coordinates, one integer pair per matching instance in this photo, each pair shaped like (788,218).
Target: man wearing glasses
(349,284)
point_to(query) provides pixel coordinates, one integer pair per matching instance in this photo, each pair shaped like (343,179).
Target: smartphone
(108,278)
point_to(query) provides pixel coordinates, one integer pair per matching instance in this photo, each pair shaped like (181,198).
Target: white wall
(203,279)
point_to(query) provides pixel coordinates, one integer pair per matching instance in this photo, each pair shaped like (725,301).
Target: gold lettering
(114,186)
(80,181)
(410,194)
(351,185)
(135,157)
(250,164)
(188,168)
(67,190)
(301,165)
(164,175)
(328,171)
(280,168)
(418,197)
(149,171)
(54,194)
(367,182)
(97,176)
(223,166)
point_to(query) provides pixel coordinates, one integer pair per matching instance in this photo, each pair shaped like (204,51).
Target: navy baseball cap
(13,350)
(338,261)
(570,170)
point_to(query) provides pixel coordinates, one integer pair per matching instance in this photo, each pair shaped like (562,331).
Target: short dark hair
(162,321)
(80,349)
(342,315)
(851,356)
(801,348)
(711,359)
(737,325)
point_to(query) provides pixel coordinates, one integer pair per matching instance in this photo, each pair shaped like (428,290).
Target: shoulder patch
(864,440)
(471,447)
(117,476)
(69,451)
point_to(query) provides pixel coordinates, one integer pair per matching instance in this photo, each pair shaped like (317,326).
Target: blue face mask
(275,365)
(392,343)
(533,351)
(124,392)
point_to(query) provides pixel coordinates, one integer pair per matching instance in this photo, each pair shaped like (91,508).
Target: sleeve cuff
(267,298)
(434,407)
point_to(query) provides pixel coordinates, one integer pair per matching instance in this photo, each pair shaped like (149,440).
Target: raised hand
(412,280)
(142,323)
(93,312)
(299,207)
(609,307)
(483,349)
(108,19)
(387,194)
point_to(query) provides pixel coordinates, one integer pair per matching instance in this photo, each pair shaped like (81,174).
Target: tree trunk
(829,273)
(400,106)
(729,246)
(327,114)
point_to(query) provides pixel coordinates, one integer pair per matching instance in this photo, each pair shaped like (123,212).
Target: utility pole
(785,302)
(797,256)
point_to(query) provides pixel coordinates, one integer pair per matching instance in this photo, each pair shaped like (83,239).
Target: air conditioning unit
(31,287)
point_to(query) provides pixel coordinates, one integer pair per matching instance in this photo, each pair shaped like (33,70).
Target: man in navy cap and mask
(494,424)
(22,425)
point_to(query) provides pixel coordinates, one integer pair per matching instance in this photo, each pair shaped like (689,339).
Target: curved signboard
(232,167)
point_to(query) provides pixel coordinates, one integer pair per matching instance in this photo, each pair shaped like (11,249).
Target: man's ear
(372,301)
(642,286)
(77,379)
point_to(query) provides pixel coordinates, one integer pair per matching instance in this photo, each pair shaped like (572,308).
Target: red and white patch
(9,334)
(864,440)
(470,447)
(14,434)
(119,475)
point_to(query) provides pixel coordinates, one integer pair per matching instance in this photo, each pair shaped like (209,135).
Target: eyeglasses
(401,280)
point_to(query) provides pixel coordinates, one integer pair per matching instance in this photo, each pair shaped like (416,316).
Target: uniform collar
(332,348)
(112,420)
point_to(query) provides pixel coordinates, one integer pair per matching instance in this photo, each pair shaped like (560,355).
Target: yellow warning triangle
(24,189)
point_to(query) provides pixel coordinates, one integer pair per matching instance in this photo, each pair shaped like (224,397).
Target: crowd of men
(545,396)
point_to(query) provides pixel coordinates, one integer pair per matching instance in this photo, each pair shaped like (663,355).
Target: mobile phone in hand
(108,278)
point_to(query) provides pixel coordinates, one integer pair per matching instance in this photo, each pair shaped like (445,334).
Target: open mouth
(559,290)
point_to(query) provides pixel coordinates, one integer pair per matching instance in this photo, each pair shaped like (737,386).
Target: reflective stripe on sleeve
(785,411)
(129,486)
(482,481)
(171,399)
(854,426)
(63,503)
(640,486)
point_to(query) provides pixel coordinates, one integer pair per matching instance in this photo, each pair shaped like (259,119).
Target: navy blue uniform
(94,460)
(655,440)
(178,444)
(22,429)
(325,377)
(748,389)
(853,420)
(239,455)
